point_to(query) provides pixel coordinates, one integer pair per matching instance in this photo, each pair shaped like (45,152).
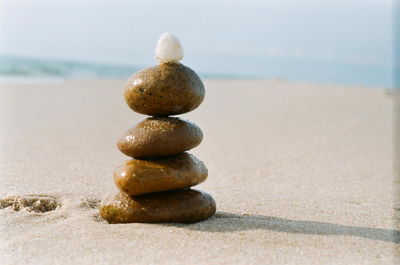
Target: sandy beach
(301,173)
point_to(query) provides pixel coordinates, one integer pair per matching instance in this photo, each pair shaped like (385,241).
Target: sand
(301,173)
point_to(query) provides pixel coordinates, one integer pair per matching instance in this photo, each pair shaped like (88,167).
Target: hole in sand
(30,203)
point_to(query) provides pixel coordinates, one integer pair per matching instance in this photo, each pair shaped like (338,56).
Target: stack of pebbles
(155,185)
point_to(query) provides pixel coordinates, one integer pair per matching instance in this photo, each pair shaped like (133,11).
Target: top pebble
(169,88)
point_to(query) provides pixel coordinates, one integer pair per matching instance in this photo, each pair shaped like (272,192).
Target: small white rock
(169,49)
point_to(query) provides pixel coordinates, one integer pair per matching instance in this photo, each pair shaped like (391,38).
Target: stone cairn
(155,184)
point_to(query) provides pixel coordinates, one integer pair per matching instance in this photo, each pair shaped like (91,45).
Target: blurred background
(332,41)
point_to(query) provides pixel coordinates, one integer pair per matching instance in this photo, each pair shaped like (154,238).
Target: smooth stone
(182,206)
(158,137)
(165,89)
(139,176)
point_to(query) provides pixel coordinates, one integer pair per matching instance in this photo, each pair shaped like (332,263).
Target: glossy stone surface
(182,206)
(165,89)
(158,137)
(139,176)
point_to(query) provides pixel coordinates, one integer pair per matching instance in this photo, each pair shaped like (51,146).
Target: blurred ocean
(29,70)
(17,69)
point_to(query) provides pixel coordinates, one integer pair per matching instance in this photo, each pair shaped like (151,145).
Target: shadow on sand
(229,222)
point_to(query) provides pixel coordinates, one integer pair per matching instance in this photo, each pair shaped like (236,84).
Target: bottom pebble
(181,206)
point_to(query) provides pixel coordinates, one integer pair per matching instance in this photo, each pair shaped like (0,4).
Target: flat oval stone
(165,89)
(182,206)
(139,176)
(158,137)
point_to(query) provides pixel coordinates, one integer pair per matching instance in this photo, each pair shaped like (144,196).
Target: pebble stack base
(181,206)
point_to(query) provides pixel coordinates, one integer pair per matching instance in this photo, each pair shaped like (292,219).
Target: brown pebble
(139,176)
(182,206)
(158,137)
(165,89)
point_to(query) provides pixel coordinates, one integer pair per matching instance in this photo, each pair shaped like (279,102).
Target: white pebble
(169,49)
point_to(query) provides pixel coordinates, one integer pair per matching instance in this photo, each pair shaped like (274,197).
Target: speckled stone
(165,89)
(158,137)
(182,206)
(139,176)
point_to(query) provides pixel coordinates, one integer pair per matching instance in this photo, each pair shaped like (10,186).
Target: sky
(218,36)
